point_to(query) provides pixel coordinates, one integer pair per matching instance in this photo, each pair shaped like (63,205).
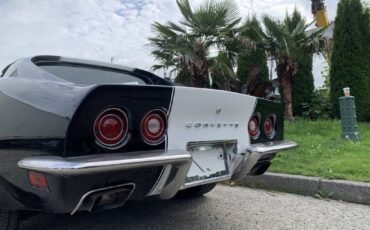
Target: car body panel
(209,115)
(40,117)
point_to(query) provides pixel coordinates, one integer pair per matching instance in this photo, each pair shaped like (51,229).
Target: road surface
(223,208)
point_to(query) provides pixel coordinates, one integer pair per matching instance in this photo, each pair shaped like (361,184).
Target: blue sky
(101,29)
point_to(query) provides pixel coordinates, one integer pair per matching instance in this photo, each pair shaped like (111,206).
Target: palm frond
(300,28)
(221,64)
(191,46)
(186,11)
(273,28)
(162,30)
(175,27)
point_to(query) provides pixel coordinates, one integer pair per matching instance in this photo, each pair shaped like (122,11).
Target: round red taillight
(269,126)
(110,128)
(153,127)
(254,126)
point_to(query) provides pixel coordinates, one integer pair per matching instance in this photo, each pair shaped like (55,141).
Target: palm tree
(202,46)
(286,42)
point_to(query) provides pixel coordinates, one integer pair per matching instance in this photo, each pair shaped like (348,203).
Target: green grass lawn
(323,153)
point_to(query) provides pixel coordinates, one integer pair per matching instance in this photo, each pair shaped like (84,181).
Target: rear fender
(135,100)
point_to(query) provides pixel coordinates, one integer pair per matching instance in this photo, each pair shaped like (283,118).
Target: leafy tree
(201,46)
(302,84)
(287,42)
(350,61)
(251,58)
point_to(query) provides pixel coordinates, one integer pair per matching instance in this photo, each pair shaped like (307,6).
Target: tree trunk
(199,81)
(200,74)
(287,95)
(286,69)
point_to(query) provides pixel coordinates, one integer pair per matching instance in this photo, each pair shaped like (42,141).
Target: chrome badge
(211,124)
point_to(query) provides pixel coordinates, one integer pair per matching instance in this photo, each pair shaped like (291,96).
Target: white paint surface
(194,105)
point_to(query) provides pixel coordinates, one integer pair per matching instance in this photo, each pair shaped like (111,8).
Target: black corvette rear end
(31,127)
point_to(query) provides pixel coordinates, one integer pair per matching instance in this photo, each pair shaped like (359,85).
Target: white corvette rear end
(215,127)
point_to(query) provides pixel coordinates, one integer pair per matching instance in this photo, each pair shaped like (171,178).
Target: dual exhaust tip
(105,198)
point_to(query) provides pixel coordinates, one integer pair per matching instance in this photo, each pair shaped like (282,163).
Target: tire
(9,220)
(195,192)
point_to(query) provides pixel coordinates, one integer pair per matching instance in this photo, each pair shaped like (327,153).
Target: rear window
(87,75)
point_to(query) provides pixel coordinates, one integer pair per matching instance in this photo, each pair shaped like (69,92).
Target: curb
(350,191)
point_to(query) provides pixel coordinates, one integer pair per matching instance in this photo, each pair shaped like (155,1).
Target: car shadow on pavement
(150,213)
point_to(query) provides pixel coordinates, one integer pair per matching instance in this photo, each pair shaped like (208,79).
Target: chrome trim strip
(174,181)
(103,162)
(162,179)
(256,151)
(206,181)
(271,147)
(79,204)
(195,144)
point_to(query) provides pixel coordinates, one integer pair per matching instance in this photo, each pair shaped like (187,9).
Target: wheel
(9,220)
(196,191)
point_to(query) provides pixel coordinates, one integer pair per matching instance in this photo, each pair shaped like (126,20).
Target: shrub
(320,106)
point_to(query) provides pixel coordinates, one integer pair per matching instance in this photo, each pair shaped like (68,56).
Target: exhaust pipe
(105,198)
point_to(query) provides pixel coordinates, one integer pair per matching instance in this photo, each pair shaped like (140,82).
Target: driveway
(223,208)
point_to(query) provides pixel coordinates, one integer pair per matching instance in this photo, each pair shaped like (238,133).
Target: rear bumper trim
(102,163)
(180,162)
(271,147)
(255,152)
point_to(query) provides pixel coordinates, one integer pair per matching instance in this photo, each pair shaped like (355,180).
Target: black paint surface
(266,108)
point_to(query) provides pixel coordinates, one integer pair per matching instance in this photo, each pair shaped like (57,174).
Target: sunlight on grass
(323,153)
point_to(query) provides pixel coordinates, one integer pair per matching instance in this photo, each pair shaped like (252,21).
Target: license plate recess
(211,161)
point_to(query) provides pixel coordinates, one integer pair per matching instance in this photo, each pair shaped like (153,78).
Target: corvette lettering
(211,124)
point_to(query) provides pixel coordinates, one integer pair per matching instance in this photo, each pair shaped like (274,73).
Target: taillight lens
(153,127)
(254,126)
(269,126)
(110,128)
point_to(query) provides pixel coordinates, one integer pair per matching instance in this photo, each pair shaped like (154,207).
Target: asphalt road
(223,208)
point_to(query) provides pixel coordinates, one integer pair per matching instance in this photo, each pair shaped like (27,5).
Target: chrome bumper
(103,162)
(177,164)
(271,147)
(257,151)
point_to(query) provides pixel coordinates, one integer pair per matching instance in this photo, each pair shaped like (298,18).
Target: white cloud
(100,29)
